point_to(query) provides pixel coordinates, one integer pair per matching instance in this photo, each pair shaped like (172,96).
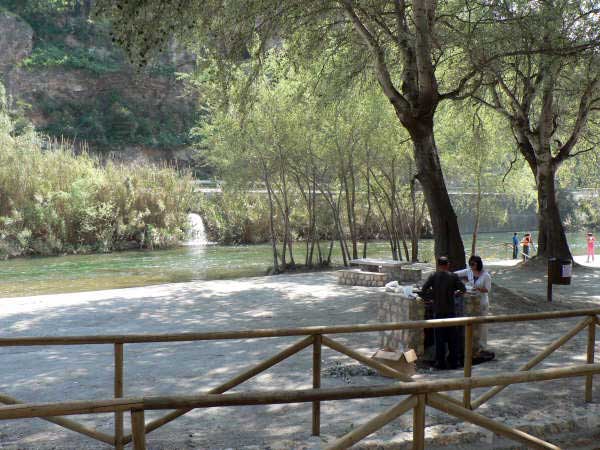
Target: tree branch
(580,122)
(381,70)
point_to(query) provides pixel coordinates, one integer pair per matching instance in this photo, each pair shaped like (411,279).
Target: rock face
(16,41)
(79,86)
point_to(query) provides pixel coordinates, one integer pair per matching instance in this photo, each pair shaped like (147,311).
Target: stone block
(410,274)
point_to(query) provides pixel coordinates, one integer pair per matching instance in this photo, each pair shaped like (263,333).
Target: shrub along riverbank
(54,202)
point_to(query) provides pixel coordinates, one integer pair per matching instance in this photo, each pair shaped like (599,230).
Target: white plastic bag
(392,286)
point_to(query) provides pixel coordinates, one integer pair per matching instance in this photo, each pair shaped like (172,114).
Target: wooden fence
(420,393)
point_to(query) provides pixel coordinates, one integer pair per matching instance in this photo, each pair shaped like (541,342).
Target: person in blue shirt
(515,243)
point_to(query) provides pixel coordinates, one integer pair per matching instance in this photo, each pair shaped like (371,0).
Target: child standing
(590,246)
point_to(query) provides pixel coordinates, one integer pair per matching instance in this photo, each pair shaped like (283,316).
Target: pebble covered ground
(41,374)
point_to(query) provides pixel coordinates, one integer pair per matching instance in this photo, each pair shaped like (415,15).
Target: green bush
(236,218)
(242,217)
(57,55)
(111,120)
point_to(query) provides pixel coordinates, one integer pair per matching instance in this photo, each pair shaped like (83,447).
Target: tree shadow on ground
(85,372)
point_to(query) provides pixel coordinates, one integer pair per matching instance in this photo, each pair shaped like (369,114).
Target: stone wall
(396,307)
(357,277)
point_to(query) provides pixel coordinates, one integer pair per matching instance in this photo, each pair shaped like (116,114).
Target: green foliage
(110,120)
(52,201)
(52,55)
(584,214)
(89,47)
(65,39)
(479,157)
(236,218)
(299,142)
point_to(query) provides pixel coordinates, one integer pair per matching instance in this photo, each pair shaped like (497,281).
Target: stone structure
(396,307)
(374,272)
(357,277)
(409,275)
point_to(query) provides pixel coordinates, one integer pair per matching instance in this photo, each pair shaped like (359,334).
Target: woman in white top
(482,283)
(479,279)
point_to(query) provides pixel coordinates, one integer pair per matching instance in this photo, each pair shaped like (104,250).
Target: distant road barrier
(420,393)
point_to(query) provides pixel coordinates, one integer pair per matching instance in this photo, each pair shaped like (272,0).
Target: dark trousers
(446,336)
(515,251)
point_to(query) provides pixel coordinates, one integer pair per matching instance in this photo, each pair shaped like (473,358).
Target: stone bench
(376,262)
(395,270)
(357,277)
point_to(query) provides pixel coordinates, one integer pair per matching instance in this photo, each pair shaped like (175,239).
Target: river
(75,273)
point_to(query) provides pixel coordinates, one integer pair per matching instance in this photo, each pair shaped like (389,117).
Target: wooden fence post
(118,394)
(590,358)
(419,423)
(138,430)
(316,406)
(468,363)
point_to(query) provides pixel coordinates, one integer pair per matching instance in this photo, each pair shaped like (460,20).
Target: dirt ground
(39,374)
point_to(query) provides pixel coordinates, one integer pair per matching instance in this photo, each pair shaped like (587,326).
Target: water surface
(75,273)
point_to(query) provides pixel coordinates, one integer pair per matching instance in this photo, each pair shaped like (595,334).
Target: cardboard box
(403,362)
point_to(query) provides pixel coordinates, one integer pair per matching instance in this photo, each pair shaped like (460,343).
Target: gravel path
(38,374)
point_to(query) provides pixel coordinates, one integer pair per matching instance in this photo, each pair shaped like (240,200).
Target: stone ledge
(356,277)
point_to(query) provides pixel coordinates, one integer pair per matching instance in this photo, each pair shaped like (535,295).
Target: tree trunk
(87,7)
(366,234)
(330,251)
(552,241)
(319,253)
(386,223)
(335,209)
(272,226)
(477,216)
(415,108)
(287,237)
(448,241)
(350,210)
(415,231)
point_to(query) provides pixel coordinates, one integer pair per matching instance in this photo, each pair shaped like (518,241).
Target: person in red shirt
(526,242)
(590,246)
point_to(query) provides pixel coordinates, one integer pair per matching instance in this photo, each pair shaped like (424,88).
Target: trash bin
(559,270)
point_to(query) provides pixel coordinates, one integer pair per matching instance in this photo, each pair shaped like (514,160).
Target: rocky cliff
(63,74)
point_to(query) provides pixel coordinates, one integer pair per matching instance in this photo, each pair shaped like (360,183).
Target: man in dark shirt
(442,286)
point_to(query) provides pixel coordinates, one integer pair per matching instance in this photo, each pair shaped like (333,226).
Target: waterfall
(197,232)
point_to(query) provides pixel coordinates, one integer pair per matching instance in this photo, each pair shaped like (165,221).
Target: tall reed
(55,201)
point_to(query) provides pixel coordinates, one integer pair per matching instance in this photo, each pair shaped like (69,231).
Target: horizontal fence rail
(419,393)
(284,332)
(288,396)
